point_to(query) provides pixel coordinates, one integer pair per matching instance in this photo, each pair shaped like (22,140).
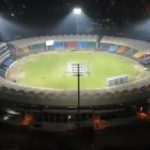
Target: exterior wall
(62,119)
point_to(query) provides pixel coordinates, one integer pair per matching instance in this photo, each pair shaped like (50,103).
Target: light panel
(77,11)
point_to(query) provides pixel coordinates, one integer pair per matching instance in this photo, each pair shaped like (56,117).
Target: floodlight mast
(77,12)
(78,75)
(78,69)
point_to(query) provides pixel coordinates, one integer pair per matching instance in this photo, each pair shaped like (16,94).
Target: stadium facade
(57,110)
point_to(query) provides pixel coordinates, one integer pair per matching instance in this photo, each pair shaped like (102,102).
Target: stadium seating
(143,57)
(113,48)
(105,46)
(8,62)
(4,52)
(131,52)
(139,55)
(82,44)
(146,60)
(122,50)
(119,49)
(58,45)
(14,51)
(86,44)
(127,47)
(70,45)
(25,50)
(37,47)
(91,44)
(5,59)
(2,73)
(74,45)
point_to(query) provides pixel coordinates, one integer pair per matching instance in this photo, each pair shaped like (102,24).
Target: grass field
(50,70)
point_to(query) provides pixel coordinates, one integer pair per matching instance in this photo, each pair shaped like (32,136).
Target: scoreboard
(117,80)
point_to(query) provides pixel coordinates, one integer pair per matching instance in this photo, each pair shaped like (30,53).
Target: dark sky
(106,16)
(44,9)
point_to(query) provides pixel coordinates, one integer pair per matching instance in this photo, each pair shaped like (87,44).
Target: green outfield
(50,70)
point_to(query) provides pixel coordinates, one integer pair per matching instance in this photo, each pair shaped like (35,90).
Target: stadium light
(77,12)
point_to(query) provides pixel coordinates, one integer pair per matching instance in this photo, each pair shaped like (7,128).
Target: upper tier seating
(138,50)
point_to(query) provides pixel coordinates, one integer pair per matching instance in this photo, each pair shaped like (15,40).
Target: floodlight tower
(77,12)
(78,77)
(79,72)
(78,69)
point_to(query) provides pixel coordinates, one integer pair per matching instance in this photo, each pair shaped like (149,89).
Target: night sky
(22,18)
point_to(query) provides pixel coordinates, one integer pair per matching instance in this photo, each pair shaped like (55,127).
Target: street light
(77,12)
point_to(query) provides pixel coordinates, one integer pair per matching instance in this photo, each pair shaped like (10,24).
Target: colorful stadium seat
(105,46)
(72,45)
(59,45)
(25,50)
(139,55)
(122,50)
(113,48)
(131,52)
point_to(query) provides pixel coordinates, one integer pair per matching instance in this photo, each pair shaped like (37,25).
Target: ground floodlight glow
(77,11)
